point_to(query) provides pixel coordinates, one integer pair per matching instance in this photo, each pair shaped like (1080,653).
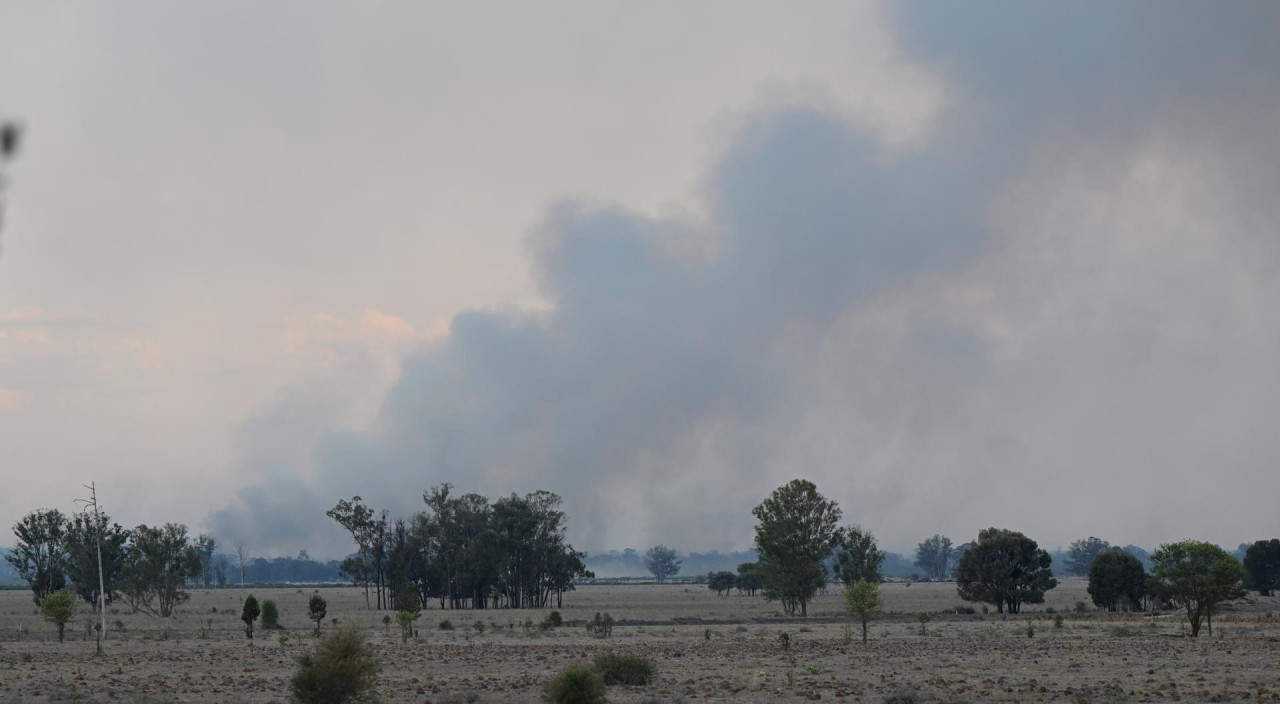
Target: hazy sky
(962,265)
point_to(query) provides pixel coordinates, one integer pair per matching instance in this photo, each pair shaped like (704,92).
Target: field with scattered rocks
(706,648)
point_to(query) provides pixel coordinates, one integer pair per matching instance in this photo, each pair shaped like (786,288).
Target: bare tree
(242,554)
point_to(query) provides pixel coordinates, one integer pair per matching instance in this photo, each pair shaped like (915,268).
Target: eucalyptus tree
(39,554)
(857,557)
(1005,569)
(795,534)
(158,562)
(1197,576)
(662,562)
(81,543)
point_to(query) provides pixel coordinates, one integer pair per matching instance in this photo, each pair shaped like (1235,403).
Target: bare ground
(707,648)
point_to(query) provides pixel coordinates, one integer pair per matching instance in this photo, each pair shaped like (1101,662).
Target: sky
(961,265)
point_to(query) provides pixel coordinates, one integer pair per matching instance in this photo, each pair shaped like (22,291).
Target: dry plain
(707,648)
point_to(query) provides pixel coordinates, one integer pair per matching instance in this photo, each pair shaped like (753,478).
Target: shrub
(1057,621)
(445,625)
(617,668)
(58,608)
(1081,607)
(249,614)
(270,615)
(553,620)
(601,626)
(405,620)
(317,608)
(341,669)
(576,684)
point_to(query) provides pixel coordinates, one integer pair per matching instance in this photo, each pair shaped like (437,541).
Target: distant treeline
(696,565)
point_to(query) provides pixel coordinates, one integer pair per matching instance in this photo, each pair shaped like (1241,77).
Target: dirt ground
(707,648)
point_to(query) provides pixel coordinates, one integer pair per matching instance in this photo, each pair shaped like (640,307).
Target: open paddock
(707,648)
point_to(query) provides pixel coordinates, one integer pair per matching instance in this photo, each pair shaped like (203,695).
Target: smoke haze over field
(961,266)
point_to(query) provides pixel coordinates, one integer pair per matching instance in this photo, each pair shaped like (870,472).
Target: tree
(39,555)
(317,609)
(249,614)
(270,615)
(1117,579)
(1197,576)
(862,599)
(204,548)
(934,556)
(857,556)
(158,562)
(242,556)
(721,582)
(1081,552)
(795,534)
(407,610)
(1262,565)
(749,578)
(364,529)
(661,561)
(220,571)
(58,608)
(1143,556)
(81,545)
(1005,569)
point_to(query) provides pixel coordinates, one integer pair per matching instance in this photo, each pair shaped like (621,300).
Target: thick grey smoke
(1056,315)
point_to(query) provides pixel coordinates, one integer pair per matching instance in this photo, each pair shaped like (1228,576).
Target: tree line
(146,567)
(463,551)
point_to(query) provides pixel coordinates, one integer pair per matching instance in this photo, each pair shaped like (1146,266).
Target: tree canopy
(1005,569)
(795,534)
(933,555)
(662,562)
(857,556)
(1262,566)
(1080,555)
(1197,576)
(39,555)
(1117,580)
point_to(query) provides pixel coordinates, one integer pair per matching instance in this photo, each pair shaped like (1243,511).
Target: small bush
(405,620)
(576,684)
(1081,607)
(341,669)
(553,620)
(58,608)
(617,668)
(249,615)
(317,608)
(270,616)
(1057,621)
(601,626)
(445,625)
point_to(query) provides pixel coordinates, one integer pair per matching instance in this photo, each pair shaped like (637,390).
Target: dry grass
(202,655)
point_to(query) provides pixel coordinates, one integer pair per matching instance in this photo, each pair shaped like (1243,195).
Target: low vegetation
(619,668)
(576,684)
(342,669)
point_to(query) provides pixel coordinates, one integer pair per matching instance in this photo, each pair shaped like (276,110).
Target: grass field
(707,648)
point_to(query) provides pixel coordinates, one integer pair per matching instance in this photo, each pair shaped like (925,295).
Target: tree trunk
(864,628)
(61,628)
